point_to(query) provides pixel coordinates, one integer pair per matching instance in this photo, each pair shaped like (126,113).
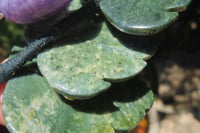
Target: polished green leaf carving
(31,106)
(142,17)
(83,68)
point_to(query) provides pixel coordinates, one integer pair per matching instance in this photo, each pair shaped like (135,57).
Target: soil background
(176,65)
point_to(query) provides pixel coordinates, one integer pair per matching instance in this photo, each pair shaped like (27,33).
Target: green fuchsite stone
(83,68)
(31,106)
(142,17)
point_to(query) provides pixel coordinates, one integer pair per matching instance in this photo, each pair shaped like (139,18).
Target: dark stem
(67,27)
(8,68)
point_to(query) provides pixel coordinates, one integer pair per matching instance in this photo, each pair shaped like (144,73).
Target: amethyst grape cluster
(31,11)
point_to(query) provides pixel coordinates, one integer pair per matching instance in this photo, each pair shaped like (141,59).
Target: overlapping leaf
(85,67)
(142,17)
(31,106)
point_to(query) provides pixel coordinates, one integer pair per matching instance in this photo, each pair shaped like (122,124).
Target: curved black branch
(8,68)
(66,27)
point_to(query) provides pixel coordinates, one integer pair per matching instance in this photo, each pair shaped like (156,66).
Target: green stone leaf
(142,17)
(31,106)
(86,67)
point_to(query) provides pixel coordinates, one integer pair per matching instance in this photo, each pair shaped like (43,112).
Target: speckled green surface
(31,106)
(84,69)
(142,17)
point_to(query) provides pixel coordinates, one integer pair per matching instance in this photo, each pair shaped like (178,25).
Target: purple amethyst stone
(30,11)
